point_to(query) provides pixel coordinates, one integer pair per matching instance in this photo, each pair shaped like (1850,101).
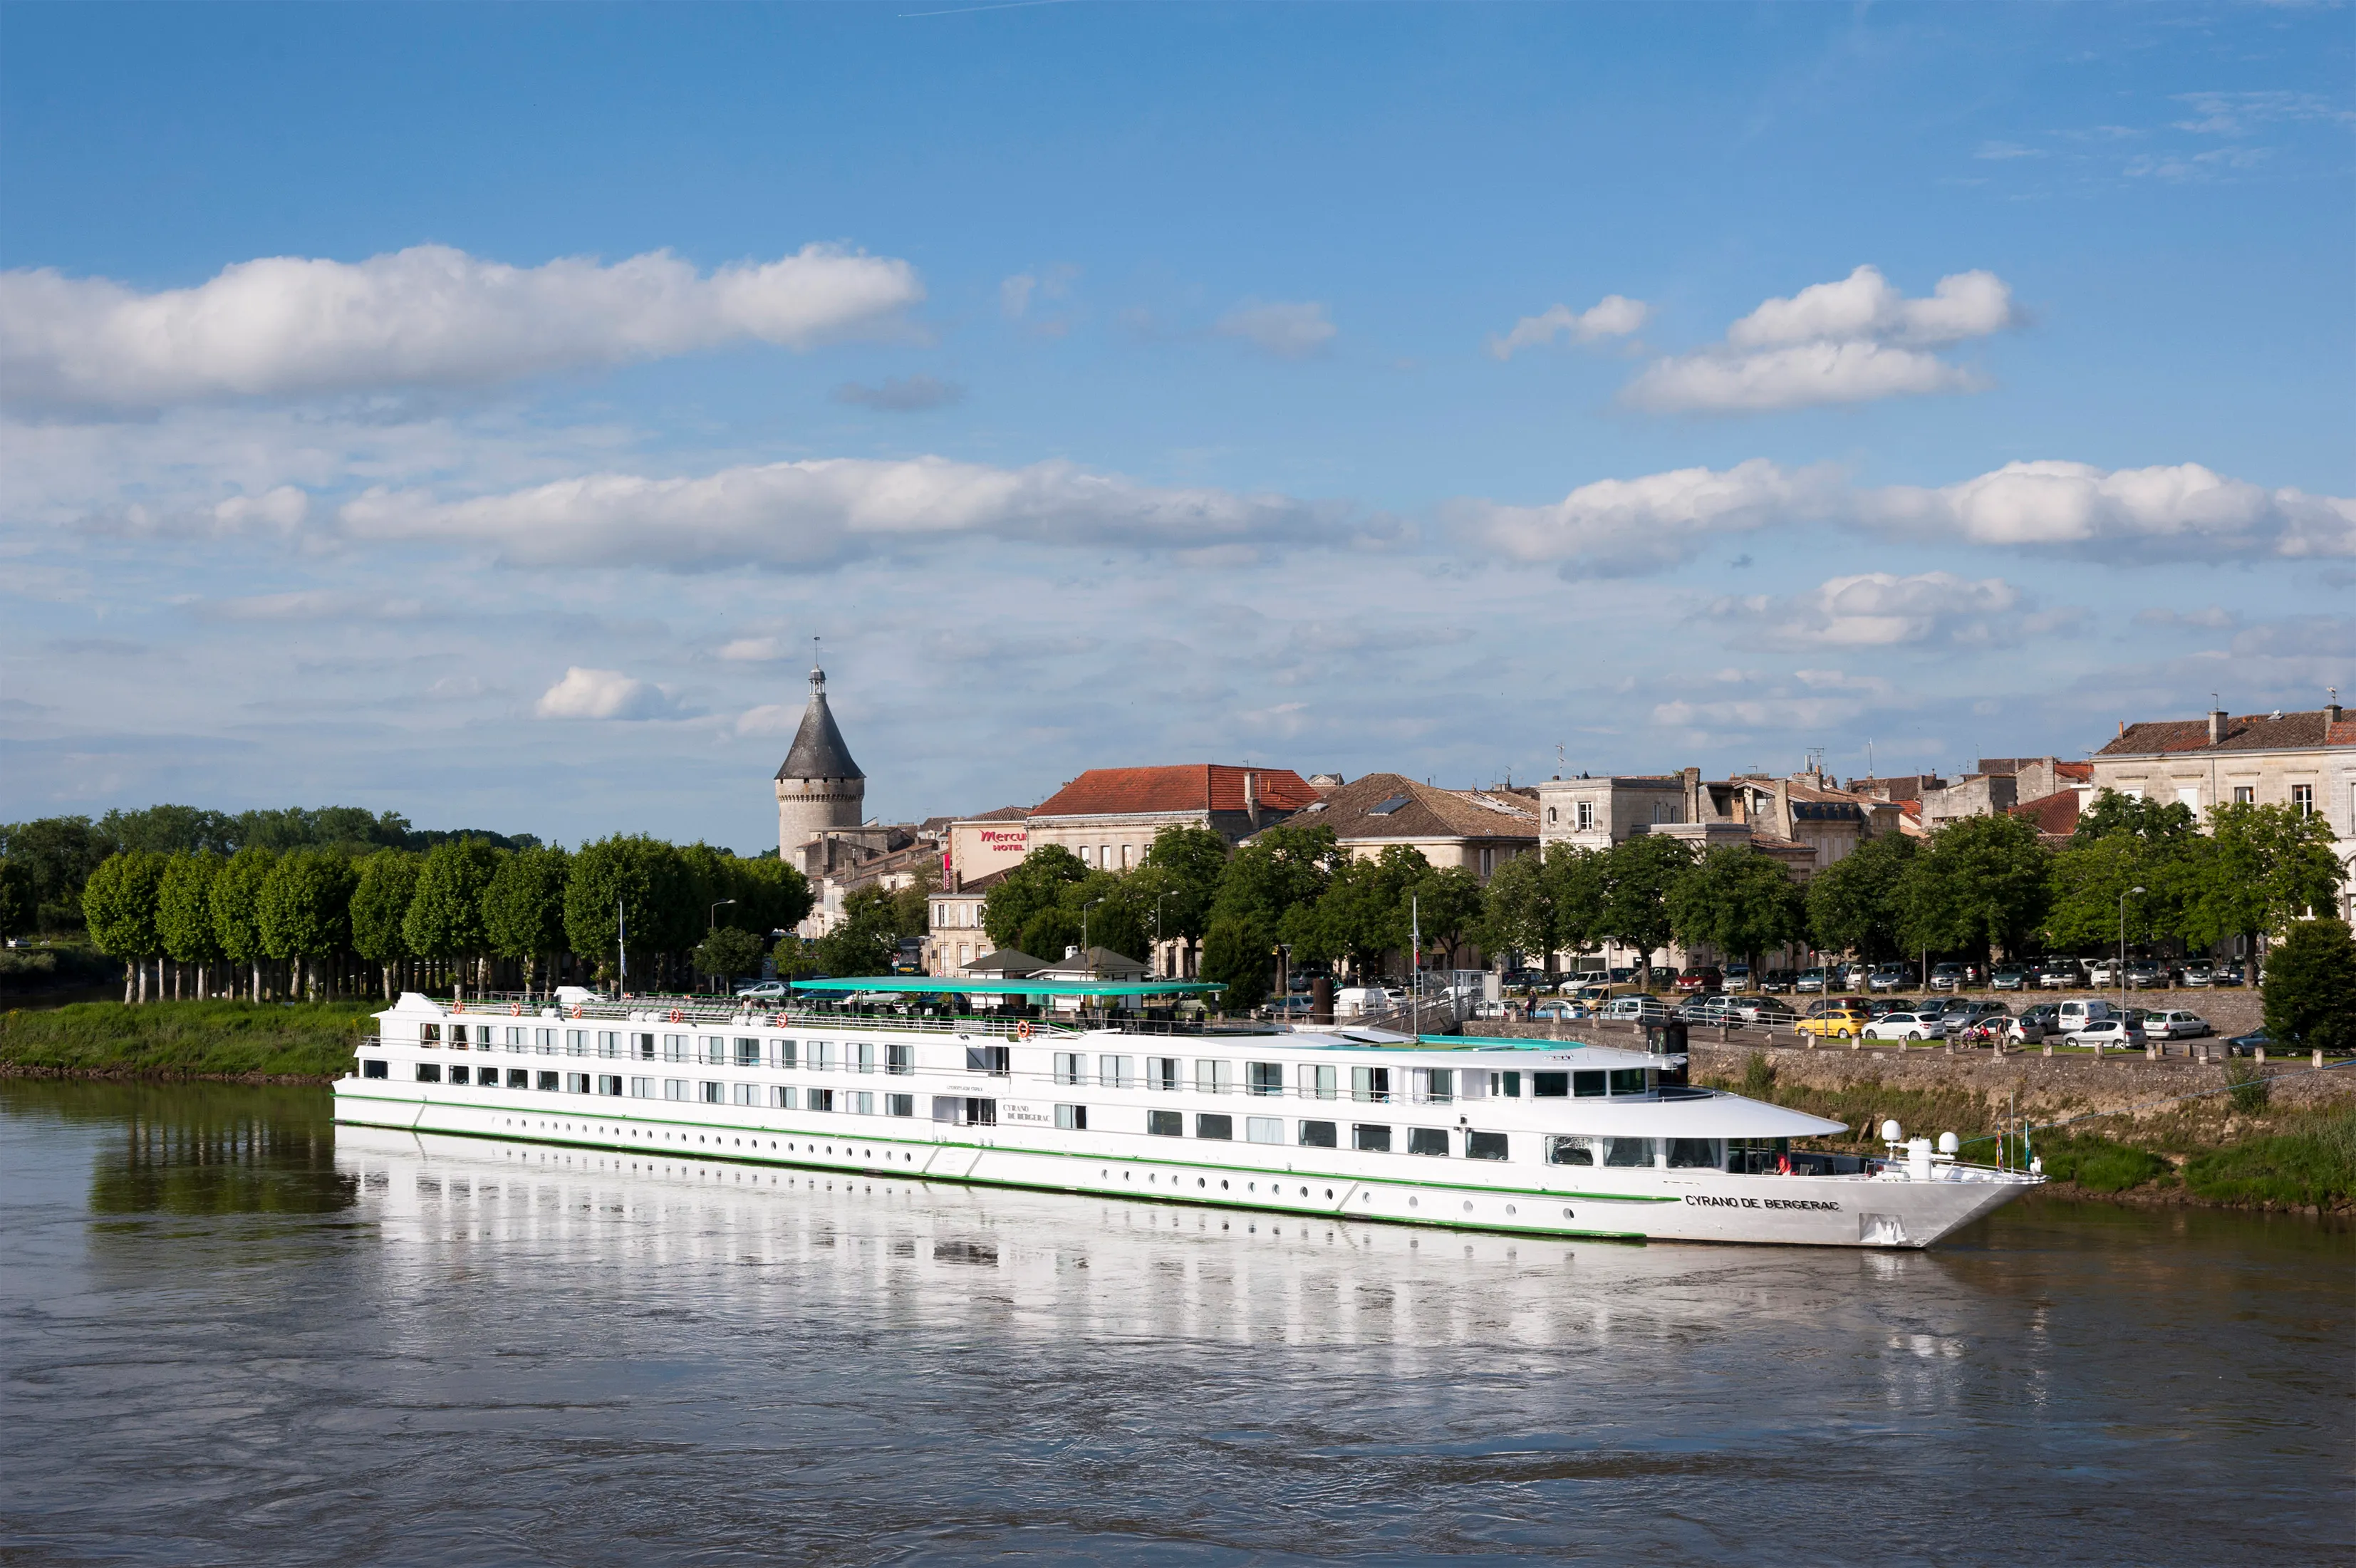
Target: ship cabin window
(1117,1072)
(1485,1146)
(374,1069)
(899,1062)
(1209,1125)
(1319,1135)
(609,1083)
(1375,1140)
(992,1059)
(1264,1129)
(428,1035)
(1628,1151)
(817,1100)
(457,1037)
(1571,1151)
(429,1072)
(825,1054)
(645,1046)
(1508,1084)
(746,1093)
(548,1082)
(576,1083)
(519,1078)
(544,1041)
(781,1097)
(642,1088)
(859,1101)
(1428,1141)
(862,1056)
(899,1104)
(457,1073)
(713,1094)
(1165,1123)
(515,1040)
(674,1088)
(1370,1083)
(714,1051)
(1554,1085)
(1693,1153)
(1264,1077)
(1071,1117)
(748,1053)
(1070,1068)
(1215,1076)
(1436,1085)
(1628,1080)
(674,1047)
(609,1043)
(1161,1072)
(1320,1083)
(1590,1085)
(782,1053)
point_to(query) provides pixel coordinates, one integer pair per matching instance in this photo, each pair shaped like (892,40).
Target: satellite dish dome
(1949,1143)
(1891,1133)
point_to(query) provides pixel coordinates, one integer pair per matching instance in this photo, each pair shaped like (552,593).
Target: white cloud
(316,605)
(901,394)
(1850,342)
(753,650)
(2183,509)
(826,511)
(427,316)
(1618,528)
(770,718)
(602,695)
(2210,617)
(1290,329)
(1615,316)
(1881,610)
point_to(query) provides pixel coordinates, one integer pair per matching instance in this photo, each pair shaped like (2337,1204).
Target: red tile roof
(1194,787)
(1423,812)
(2056,815)
(2083,772)
(2251,732)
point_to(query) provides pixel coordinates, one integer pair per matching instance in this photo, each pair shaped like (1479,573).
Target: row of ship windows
(1437,1086)
(966,1110)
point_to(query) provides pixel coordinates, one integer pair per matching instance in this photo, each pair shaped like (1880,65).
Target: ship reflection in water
(238,1333)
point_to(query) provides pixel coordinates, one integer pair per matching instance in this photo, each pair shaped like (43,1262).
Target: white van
(1358,1001)
(2078,1015)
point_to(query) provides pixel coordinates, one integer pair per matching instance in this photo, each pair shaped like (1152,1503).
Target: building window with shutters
(2302,800)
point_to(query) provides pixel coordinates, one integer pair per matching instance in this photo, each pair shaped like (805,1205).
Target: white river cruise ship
(1555,1138)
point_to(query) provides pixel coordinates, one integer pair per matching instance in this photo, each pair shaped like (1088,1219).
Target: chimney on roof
(2216,727)
(2331,708)
(1252,800)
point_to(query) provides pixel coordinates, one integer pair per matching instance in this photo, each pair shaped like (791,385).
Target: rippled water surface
(237,1333)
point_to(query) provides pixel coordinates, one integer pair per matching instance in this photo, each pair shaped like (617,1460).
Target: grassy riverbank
(193,1039)
(2231,1149)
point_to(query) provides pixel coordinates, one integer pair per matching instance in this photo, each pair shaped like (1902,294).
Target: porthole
(1305,1192)
(1566,1214)
(1202,1181)
(1468,1206)
(1510,1210)
(1223,1186)
(1414,1203)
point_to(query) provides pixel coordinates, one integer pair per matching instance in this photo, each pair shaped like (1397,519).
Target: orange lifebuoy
(515,1009)
(677,1016)
(456,1007)
(576,1009)
(1022,1030)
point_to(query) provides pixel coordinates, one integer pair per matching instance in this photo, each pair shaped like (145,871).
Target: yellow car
(1837,1023)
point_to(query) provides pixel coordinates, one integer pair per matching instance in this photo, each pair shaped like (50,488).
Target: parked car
(2233,973)
(1950,977)
(1877,1005)
(2103,972)
(2198,976)
(1910,1027)
(2176,1023)
(1560,1012)
(2056,974)
(2114,1033)
(1777,981)
(1640,1008)
(2145,974)
(2256,1040)
(2030,1028)
(1835,1023)
(1701,979)
(1766,1012)
(762,991)
(1889,977)
(1811,982)
(2011,977)
(1717,1009)
(1738,977)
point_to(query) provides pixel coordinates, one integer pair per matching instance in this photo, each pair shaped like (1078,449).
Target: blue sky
(474,411)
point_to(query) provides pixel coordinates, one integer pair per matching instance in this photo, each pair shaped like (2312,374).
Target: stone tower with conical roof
(820,788)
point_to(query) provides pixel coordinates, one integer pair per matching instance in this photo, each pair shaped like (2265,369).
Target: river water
(236,1333)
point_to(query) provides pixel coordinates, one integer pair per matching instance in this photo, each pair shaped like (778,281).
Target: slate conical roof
(817,750)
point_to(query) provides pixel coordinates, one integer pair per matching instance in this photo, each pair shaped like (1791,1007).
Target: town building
(1478,830)
(2304,760)
(1801,819)
(1107,816)
(820,791)
(1997,785)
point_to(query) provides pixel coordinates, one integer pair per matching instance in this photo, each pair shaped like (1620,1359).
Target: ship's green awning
(934,985)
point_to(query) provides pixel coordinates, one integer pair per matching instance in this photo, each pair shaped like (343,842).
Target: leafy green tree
(445,910)
(388,884)
(237,909)
(2113,815)
(1447,909)
(523,909)
(770,894)
(1739,901)
(184,915)
(171,830)
(2267,866)
(1047,933)
(728,951)
(19,898)
(636,876)
(2095,879)
(867,939)
(1182,869)
(1519,914)
(1980,883)
(1279,869)
(1238,952)
(1028,890)
(60,854)
(1362,914)
(120,903)
(2310,987)
(1637,876)
(797,956)
(1855,904)
(305,910)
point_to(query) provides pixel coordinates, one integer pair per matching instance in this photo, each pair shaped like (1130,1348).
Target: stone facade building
(1107,816)
(1478,830)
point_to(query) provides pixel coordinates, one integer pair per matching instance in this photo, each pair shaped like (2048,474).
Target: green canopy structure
(934,985)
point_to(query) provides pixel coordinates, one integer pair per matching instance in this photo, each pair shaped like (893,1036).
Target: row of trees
(46,863)
(467,913)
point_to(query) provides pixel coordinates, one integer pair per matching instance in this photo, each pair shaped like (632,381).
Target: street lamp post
(712,916)
(1158,899)
(2130,893)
